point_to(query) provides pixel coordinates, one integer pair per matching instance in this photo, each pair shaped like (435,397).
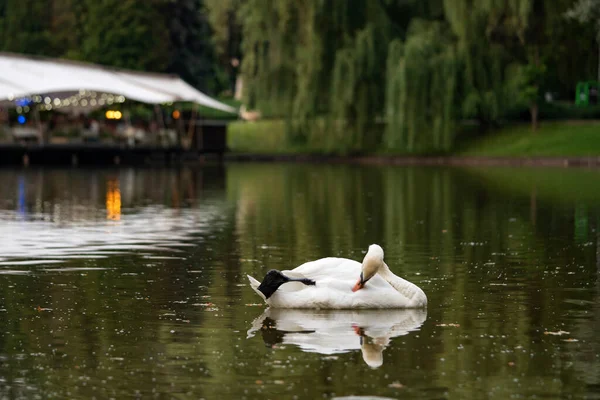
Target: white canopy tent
(24,76)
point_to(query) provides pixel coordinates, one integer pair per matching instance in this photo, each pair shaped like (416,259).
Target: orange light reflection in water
(113,200)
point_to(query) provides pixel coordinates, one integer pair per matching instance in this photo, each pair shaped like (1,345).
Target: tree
(191,53)
(532,78)
(226,34)
(422,80)
(588,12)
(25,27)
(67,27)
(320,64)
(127,34)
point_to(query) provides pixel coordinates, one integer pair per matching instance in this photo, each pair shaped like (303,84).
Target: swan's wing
(333,273)
(327,268)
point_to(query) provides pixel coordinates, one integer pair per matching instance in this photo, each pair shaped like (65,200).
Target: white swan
(330,283)
(337,331)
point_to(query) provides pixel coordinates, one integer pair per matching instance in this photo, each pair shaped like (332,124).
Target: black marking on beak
(363,280)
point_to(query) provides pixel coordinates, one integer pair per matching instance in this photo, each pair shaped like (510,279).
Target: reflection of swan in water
(337,331)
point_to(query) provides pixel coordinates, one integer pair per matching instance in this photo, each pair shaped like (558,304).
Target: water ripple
(149,229)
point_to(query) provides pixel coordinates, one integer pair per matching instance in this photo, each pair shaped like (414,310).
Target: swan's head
(370,266)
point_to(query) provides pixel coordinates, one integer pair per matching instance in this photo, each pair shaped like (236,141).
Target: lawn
(553,139)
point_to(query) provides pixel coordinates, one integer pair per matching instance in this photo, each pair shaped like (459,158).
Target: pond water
(121,283)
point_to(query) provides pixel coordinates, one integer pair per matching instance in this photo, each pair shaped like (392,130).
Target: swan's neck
(404,287)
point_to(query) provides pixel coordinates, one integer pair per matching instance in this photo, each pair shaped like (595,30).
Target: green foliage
(418,66)
(226,38)
(532,78)
(223,20)
(191,54)
(485,34)
(422,79)
(303,60)
(586,11)
(124,33)
(568,111)
(152,35)
(25,27)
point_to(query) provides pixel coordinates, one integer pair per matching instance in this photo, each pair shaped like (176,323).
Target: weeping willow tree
(461,68)
(487,33)
(358,79)
(339,71)
(269,33)
(318,63)
(422,76)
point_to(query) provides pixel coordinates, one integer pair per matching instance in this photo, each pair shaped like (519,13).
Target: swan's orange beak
(359,285)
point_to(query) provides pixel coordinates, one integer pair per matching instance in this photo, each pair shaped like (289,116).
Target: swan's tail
(254,284)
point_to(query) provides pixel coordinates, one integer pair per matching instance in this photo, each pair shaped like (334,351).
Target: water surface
(122,283)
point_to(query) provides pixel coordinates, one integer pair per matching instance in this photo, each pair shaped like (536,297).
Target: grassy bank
(267,136)
(264,137)
(553,139)
(211,113)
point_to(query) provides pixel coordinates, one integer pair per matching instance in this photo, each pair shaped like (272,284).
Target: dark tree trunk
(533,109)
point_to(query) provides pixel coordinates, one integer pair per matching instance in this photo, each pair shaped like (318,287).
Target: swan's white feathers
(334,278)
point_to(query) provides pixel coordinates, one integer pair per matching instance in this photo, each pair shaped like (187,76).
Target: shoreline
(563,162)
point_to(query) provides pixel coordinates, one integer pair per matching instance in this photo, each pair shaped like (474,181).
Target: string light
(113,114)
(82,98)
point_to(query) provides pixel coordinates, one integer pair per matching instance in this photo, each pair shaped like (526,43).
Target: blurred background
(400,76)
